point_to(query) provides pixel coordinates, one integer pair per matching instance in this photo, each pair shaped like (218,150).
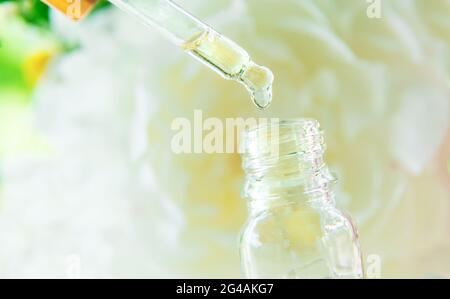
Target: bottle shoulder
(301,219)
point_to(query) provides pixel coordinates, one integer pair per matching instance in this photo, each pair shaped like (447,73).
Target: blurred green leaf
(11,73)
(33,11)
(37,13)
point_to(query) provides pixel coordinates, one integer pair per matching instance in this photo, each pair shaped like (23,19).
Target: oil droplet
(233,63)
(258,80)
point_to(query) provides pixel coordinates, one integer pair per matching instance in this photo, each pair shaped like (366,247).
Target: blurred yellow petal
(35,65)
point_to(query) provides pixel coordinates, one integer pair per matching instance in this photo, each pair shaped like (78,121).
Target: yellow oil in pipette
(233,63)
(212,49)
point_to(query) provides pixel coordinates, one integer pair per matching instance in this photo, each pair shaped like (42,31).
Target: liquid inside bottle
(233,63)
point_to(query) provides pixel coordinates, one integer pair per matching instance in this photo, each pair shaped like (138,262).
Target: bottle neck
(293,174)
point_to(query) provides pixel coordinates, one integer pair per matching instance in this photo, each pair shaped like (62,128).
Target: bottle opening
(284,156)
(276,140)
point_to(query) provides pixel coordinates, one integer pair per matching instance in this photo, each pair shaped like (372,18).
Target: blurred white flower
(115,195)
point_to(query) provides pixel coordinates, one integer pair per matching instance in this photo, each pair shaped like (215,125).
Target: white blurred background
(93,190)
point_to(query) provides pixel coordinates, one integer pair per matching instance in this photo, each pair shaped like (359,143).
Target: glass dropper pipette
(198,39)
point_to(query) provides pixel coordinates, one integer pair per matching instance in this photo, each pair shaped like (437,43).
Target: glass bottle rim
(286,122)
(259,138)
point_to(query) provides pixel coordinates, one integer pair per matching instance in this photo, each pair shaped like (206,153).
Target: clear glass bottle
(294,229)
